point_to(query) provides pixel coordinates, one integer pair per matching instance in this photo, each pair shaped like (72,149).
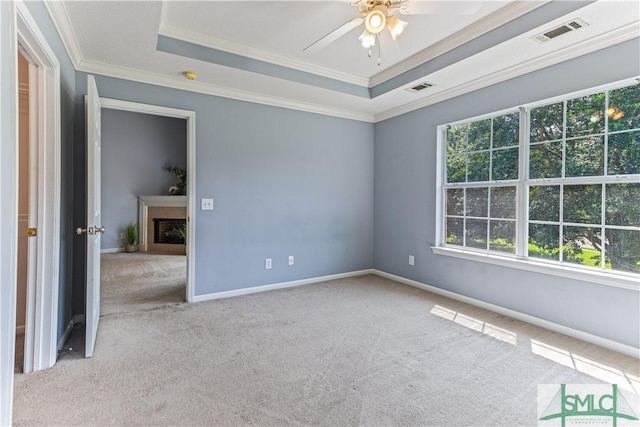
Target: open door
(93,229)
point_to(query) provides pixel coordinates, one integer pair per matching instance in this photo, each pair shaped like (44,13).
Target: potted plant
(131,236)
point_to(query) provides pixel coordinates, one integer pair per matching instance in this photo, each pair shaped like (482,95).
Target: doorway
(190,118)
(139,154)
(38,179)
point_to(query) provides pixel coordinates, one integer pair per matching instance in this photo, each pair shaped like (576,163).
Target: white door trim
(190,116)
(41,329)
(9,211)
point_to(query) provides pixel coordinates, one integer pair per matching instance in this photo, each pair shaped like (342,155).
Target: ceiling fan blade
(333,35)
(439,7)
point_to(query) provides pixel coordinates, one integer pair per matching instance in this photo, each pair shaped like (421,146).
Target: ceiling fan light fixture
(396,26)
(375,20)
(368,39)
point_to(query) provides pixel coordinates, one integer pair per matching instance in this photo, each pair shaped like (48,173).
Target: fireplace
(165,230)
(159,217)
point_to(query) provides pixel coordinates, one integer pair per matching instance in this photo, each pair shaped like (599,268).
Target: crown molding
(62,22)
(602,41)
(500,17)
(95,67)
(240,49)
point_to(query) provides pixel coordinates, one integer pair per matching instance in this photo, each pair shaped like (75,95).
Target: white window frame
(520,260)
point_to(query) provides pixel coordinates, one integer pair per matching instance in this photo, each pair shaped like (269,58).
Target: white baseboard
(66,334)
(111,250)
(555,327)
(283,285)
(20,330)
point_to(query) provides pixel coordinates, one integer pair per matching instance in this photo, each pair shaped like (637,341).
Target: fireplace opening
(165,230)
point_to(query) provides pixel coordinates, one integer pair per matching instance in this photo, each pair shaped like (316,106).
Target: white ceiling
(457,53)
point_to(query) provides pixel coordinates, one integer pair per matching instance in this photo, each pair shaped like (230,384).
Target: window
(556,182)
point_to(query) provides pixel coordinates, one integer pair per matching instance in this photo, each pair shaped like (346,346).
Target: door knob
(32,232)
(99,229)
(88,230)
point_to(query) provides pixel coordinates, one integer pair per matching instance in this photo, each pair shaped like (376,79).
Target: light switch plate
(206,204)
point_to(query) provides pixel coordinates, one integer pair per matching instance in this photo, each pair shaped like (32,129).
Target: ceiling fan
(378,14)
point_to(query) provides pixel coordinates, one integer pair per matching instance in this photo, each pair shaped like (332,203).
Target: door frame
(9,211)
(41,327)
(17,26)
(190,117)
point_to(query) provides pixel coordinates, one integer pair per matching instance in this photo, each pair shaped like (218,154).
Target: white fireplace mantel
(144,203)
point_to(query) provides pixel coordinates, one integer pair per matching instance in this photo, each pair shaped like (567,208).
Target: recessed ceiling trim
(500,17)
(62,22)
(217,43)
(625,33)
(226,59)
(506,32)
(147,77)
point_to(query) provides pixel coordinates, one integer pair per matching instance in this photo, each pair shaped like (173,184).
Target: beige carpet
(360,351)
(140,281)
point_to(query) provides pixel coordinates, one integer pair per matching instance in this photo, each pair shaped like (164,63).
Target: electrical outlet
(121,236)
(267,264)
(412,260)
(291,260)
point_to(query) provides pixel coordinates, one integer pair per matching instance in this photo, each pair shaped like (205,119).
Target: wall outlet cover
(206,204)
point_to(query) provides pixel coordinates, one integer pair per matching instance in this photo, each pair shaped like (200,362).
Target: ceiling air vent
(576,24)
(419,87)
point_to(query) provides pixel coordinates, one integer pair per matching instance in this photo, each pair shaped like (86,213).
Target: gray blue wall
(67,195)
(135,149)
(284,182)
(405,194)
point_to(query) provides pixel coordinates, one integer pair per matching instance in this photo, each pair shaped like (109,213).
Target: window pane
(546,122)
(503,202)
(505,164)
(455,201)
(582,204)
(454,231)
(624,153)
(581,246)
(506,130)
(624,250)
(624,108)
(623,204)
(478,167)
(585,116)
(477,233)
(502,236)
(585,157)
(456,168)
(544,203)
(457,139)
(545,160)
(479,135)
(544,241)
(477,202)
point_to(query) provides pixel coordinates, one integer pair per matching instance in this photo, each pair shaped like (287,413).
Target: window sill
(620,280)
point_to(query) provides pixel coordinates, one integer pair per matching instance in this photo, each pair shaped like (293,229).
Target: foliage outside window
(566,188)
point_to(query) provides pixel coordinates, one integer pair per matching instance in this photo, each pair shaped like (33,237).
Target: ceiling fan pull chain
(369,52)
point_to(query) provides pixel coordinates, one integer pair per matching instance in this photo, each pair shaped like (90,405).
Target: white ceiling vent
(573,25)
(419,87)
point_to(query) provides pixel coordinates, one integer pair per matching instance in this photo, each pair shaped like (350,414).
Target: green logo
(586,404)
